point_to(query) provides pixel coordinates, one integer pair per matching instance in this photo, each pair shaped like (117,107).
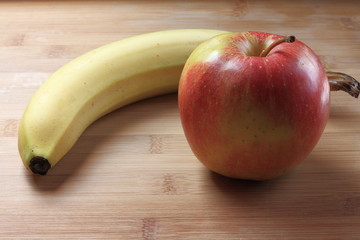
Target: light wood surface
(132,174)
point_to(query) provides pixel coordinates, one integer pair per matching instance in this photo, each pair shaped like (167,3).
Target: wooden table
(132,174)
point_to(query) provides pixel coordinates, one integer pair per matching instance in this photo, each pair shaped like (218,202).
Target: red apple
(253,105)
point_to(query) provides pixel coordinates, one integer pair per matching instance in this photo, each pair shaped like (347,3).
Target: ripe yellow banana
(97,83)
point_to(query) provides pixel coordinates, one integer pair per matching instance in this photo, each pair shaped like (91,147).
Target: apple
(253,105)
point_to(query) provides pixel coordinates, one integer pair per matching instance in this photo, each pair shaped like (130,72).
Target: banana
(97,83)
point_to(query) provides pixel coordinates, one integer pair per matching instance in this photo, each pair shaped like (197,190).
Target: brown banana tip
(39,165)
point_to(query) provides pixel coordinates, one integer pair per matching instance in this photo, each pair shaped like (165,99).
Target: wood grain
(132,174)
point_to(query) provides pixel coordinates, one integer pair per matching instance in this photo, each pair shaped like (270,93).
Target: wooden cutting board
(132,174)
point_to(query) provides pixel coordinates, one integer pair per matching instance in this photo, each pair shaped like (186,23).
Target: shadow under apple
(317,188)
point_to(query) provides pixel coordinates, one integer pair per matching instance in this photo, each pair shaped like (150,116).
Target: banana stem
(341,81)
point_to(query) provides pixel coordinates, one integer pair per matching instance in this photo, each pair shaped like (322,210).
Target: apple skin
(252,117)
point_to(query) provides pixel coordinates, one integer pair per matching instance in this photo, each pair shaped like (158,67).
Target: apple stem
(341,81)
(288,39)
